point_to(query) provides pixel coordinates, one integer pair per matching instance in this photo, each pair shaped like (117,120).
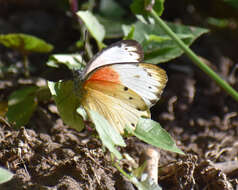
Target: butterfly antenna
(85,39)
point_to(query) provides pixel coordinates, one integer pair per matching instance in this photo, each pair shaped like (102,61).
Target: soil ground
(203,120)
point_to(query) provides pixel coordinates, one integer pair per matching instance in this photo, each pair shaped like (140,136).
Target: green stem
(121,170)
(223,84)
(89,49)
(26,65)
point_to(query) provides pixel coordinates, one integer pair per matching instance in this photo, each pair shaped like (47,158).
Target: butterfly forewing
(120,52)
(147,80)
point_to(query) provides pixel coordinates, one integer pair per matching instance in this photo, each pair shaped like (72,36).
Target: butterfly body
(119,86)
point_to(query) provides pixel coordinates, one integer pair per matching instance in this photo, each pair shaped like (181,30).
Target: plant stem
(121,170)
(26,65)
(82,28)
(223,84)
(88,49)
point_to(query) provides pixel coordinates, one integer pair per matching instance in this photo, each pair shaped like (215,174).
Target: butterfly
(118,85)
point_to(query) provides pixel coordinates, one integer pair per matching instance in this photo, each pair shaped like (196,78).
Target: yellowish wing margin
(119,106)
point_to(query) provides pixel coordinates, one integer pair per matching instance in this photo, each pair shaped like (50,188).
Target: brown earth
(202,119)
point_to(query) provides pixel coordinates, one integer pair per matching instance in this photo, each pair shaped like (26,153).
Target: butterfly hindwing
(118,91)
(119,52)
(123,92)
(111,101)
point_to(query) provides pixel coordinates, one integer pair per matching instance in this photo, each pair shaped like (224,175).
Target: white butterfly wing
(124,92)
(121,108)
(119,52)
(147,80)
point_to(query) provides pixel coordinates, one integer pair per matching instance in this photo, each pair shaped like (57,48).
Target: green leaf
(128,31)
(72,61)
(67,99)
(94,27)
(5,175)
(151,132)
(80,44)
(137,172)
(66,94)
(158,39)
(21,105)
(233,3)
(218,22)
(142,7)
(158,46)
(110,8)
(109,136)
(111,32)
(25,43)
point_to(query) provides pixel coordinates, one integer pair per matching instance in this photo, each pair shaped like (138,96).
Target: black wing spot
(133,124)
(138,109)
(150,75)
(126,48)
(125,88)
(149,87)
(130,98)
(130,54)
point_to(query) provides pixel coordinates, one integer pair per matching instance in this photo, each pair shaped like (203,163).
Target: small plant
(23,102)
(25,45)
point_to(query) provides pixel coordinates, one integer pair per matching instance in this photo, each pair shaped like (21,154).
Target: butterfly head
(78,74)
(78,78)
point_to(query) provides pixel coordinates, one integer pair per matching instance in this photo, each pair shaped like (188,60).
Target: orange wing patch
(105,74)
